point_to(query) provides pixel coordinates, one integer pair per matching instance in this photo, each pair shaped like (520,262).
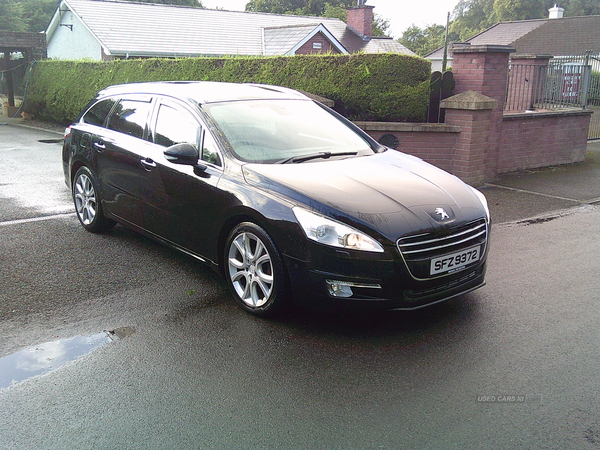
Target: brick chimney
(361,19)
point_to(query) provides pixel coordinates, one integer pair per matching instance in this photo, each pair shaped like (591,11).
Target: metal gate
(441,86)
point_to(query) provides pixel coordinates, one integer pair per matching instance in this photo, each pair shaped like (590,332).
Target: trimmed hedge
(379,87)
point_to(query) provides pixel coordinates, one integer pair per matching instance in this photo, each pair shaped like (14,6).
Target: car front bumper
(375,283)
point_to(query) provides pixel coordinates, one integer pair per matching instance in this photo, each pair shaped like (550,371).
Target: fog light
(343,289)
(339,289)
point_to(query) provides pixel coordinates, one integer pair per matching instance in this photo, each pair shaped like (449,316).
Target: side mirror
(186,154)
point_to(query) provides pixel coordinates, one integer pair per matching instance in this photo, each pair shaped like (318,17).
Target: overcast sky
(400,13)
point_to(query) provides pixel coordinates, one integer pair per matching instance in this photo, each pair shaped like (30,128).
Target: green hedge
(382,87)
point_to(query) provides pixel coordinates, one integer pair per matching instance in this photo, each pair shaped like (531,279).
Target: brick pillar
(526,81)
(473,113)
(484,69)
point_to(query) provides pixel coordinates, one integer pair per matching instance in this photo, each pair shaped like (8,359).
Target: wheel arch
(229,225)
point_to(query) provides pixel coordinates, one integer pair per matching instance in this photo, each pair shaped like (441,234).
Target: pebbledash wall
(479,140)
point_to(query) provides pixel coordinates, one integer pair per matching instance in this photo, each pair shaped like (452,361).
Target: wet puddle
(44,358)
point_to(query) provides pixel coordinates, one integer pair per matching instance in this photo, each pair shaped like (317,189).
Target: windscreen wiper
(324,155)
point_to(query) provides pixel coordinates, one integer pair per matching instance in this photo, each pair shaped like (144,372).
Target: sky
(400,13)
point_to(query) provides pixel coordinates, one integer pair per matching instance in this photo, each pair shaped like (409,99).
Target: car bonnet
(391,192)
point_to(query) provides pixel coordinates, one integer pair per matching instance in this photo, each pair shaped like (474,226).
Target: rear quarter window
(130,117)
(97,114)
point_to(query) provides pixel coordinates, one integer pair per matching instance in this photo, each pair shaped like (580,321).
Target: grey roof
(556,37)
(562,37)
(144,29)
(281,40)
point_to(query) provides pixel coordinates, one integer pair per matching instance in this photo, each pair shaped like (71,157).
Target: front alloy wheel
(254,270)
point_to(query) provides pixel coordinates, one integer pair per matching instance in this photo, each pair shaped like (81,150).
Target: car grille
(418,250)
(443,287)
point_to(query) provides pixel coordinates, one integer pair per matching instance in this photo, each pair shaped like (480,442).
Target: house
(105,30)
(555,36)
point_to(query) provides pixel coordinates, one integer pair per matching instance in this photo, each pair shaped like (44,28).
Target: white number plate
(455,261)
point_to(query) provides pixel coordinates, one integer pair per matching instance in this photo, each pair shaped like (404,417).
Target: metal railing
(556,85)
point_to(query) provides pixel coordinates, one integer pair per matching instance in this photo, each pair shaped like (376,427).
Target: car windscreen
(272,131)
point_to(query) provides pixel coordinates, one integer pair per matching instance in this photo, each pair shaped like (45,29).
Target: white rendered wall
(78,43)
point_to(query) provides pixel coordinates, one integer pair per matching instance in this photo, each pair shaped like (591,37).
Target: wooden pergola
(31,45)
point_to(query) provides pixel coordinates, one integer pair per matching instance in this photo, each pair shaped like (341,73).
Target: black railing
(553,86)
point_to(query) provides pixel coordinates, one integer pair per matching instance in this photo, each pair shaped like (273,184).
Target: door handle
(148,163)
(99,146)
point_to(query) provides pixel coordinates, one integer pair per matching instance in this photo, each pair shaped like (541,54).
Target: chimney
(556,12)
(361,18)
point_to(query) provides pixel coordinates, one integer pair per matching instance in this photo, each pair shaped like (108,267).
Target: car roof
(205,91)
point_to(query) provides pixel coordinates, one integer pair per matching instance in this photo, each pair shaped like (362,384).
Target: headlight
(330,232)
(483,201)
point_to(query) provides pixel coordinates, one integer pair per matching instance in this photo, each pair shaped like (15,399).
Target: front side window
(96,115)
(130,117)
(209,150)
(175,126)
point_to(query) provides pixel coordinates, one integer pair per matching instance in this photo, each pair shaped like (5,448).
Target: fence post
(471,111)
(484,69)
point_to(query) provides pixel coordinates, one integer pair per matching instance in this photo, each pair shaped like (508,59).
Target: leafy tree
(423,41)
(11,16)
(471,17)
(474,16)
(381,26)
(276,6)
(193,3)
(37,14)
(508,10)
(335,9)
(574,8)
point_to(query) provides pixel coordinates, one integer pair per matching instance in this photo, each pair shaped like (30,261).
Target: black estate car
(283,196)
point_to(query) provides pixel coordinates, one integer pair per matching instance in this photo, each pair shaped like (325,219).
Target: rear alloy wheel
(254,270)
(87,202)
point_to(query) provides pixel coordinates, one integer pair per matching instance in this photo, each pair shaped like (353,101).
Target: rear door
(120,164)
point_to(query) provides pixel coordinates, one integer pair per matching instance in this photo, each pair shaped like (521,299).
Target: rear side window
(130,117)
(96,115)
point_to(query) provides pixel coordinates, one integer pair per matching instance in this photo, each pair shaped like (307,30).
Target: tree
(335,9)
(37,14)
(423,41)
(192,3)
(574,8)
(11,16)
(381,26)
(471,17)
(509,10)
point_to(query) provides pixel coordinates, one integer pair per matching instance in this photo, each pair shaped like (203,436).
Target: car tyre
(254,270)
(87,202)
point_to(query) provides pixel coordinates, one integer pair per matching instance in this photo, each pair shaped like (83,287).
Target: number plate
(455,261)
